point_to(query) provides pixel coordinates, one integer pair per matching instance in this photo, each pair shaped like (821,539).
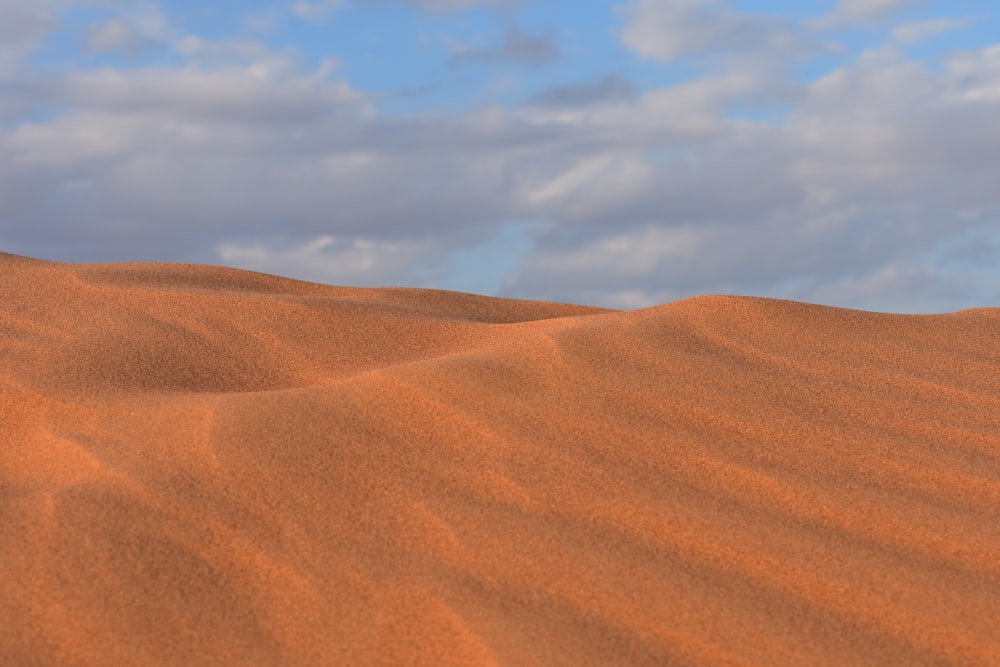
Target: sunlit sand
(204,466)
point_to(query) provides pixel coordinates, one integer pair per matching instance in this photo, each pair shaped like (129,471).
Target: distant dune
(205,466)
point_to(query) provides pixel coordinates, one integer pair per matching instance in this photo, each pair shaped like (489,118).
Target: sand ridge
(211,466)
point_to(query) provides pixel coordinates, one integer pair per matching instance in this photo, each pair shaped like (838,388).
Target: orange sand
(204,466)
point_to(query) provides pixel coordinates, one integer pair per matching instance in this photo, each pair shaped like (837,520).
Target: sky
(611,153)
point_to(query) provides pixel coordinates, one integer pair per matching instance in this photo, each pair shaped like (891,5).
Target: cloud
(867,9)
(910,33)
(902,283)
(979,72)
(622,256)
(876,184)
(316,11)
(611,88)
(181,160)
(109,36)
(328,259)
(668,30)
(23,27)
(517,47)
(853,12)
(118,35)
(452,5)
(852,199)
(21,21)
(232,95)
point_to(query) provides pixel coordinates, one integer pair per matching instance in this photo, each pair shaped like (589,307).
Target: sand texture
(204,466)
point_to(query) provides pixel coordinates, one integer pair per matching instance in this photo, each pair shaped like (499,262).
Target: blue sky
(623,153)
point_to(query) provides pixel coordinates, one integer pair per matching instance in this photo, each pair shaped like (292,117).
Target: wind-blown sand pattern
(204,466)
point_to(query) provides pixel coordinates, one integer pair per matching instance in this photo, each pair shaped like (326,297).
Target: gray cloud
(23,27)
(877,189)
(611,88)
(183,161)
(332,260)
(231,96)
(517,47)
(451,5)
(21,22)
(857,198)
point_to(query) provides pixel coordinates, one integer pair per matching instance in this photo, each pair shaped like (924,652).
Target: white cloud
(898,285)
(866,9)
(254,93)
(594,186)
(331,260)
(910,33)
(617,257)
(979,72)
(667,30)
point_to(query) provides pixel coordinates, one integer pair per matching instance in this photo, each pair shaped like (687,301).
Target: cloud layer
(871,185)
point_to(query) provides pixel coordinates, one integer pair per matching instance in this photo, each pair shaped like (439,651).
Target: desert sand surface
(206,466)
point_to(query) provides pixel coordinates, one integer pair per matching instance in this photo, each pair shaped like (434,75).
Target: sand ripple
(204,466)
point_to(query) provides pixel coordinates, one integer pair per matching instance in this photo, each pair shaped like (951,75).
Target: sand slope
(203,466)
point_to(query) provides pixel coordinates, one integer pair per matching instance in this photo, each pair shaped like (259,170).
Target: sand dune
(204,466)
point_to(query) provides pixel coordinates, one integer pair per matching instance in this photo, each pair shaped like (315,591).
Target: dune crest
(210,466)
